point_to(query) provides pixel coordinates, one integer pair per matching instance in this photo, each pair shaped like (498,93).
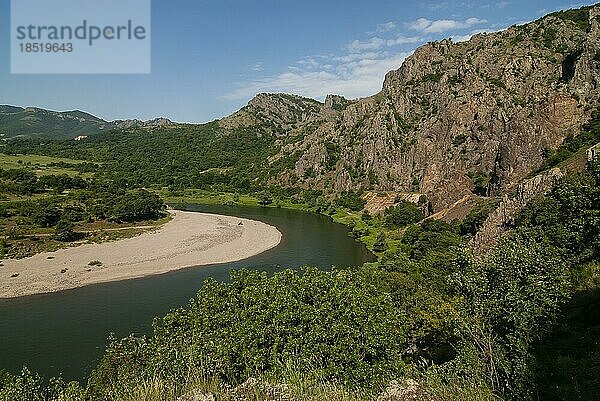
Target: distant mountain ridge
(36,122)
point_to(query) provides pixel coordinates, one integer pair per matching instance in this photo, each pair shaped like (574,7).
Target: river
(65,333)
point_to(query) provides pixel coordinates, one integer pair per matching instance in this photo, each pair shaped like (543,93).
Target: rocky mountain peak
(139,124)
(336,102)
(285,109)
(458,118)
(278,113)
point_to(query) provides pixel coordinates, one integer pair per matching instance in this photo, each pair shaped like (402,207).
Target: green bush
(403,214)
(431,238)
(567,218)
(589,136)
(351,200)
(481,181)
(28,386)
(477,216)
(380,244)
(338,324)
(509,300)
(581,17)
(64,231)
(264,198)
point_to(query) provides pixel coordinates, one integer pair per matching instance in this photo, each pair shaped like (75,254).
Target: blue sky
(210,57)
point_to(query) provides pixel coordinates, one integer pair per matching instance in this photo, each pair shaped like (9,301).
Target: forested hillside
(455,130)
(456,119)
(47,124)
(46,204)
(459,326)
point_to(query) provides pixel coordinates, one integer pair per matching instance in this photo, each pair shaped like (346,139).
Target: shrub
(481,181)
(509,300)
(264,198)
(28,386)
(459,140)
(351,200)
(477,216)
(430,238)
(64,231)
(380,245)
(402,215)
(337,324)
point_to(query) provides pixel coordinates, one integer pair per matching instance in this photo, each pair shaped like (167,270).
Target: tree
(380,245)
(264,198)
(351,200)
(431,237)
(64,231)
(509,300)
(337,324)
(403,214)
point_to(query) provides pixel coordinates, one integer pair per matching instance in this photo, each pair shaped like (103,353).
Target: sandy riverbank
(189,239)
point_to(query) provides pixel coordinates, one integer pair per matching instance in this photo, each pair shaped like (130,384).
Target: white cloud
(309,62)
(403,40)
(388,26)
(357,71)
(257,67)
(377,43)
(426,26)
(437,6)
(362,76)
(371,44)
(420,25)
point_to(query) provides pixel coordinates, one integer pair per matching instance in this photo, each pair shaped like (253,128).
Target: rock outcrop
(277,113)
(378,202)
(453,120)
(409,390)
(254,389)
(197,395)
(499,221)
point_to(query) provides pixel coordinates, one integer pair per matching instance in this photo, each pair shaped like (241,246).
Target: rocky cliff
(499,221)
(454,119)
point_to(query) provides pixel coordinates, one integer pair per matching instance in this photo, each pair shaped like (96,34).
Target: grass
(295,386)
(23,239)
(432,385)
(573,162)
(38,164)
(202,197)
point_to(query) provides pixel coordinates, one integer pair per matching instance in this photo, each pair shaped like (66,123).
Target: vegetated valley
(471,176)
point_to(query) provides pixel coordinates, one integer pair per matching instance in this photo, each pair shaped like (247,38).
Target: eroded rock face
(500,219)
(276,113)
(486,108)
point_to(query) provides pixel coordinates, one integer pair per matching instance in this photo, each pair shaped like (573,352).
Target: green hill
(18,121)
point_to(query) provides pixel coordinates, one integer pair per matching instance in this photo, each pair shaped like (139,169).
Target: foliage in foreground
(465,329)
(336,324)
